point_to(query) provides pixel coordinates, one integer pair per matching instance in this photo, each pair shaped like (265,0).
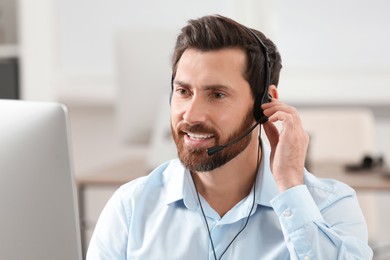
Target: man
(229,196)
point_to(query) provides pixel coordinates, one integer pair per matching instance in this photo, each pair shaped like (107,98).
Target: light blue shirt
(159,217)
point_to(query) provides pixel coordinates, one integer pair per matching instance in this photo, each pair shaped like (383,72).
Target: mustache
(196,128)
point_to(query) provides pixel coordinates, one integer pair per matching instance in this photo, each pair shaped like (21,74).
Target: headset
(259,99)
(265,98)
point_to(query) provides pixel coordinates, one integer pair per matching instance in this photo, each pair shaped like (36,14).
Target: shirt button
(306,257)
(287,213)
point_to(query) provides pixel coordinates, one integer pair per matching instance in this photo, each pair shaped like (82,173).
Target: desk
(116,174)
(361,180)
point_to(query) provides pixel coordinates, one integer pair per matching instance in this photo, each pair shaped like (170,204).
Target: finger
(291,127)
(272,133)
(282,112)
(273,102)
(271,109)
(286,118)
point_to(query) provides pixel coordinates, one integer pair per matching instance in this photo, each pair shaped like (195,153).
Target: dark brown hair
(216,32)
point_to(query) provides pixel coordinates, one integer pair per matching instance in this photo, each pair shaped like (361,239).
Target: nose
(195,110)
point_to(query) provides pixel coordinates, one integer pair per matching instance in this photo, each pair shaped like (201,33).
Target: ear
(273,91)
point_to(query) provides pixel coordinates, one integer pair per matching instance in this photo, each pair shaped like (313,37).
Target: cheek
(232,121)
(177,109)
(175,116)
(229,118)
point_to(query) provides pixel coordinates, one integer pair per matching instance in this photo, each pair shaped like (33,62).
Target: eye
(182,91)
(219,95)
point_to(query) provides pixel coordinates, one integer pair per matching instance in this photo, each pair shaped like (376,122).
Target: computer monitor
(39,214)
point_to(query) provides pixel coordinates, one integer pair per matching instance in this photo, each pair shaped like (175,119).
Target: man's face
(211,105)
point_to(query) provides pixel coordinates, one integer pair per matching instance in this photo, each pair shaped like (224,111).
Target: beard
(197,159)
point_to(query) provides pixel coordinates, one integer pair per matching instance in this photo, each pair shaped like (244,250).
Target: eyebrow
(207,87)
(180,83)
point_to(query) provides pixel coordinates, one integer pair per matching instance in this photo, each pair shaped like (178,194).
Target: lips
(196,136)
(198,140)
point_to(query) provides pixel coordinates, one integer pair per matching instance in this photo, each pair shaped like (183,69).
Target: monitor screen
(39,215)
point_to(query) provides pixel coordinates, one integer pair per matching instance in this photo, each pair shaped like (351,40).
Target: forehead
(226,64)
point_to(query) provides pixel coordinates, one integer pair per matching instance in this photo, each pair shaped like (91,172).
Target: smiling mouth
(198,137)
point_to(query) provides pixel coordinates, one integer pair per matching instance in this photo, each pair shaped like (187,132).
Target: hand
(289,147)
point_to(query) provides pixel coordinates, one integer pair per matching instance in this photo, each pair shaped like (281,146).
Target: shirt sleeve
(109,240)
(337,231)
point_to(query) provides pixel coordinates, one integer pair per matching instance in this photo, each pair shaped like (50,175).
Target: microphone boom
(216,149)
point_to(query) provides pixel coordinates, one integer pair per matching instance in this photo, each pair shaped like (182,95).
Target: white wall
(333,52)
(37,49)
(86,46)
(327,48)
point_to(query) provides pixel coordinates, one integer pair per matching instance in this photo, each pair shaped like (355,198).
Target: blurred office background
(108,61)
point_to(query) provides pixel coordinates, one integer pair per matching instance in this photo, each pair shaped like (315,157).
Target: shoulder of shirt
(326,191)
(156,178)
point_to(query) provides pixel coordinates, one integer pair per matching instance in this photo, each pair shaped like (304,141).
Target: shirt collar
(179,184)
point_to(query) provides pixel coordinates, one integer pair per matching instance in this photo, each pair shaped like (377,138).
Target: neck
(227,185)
